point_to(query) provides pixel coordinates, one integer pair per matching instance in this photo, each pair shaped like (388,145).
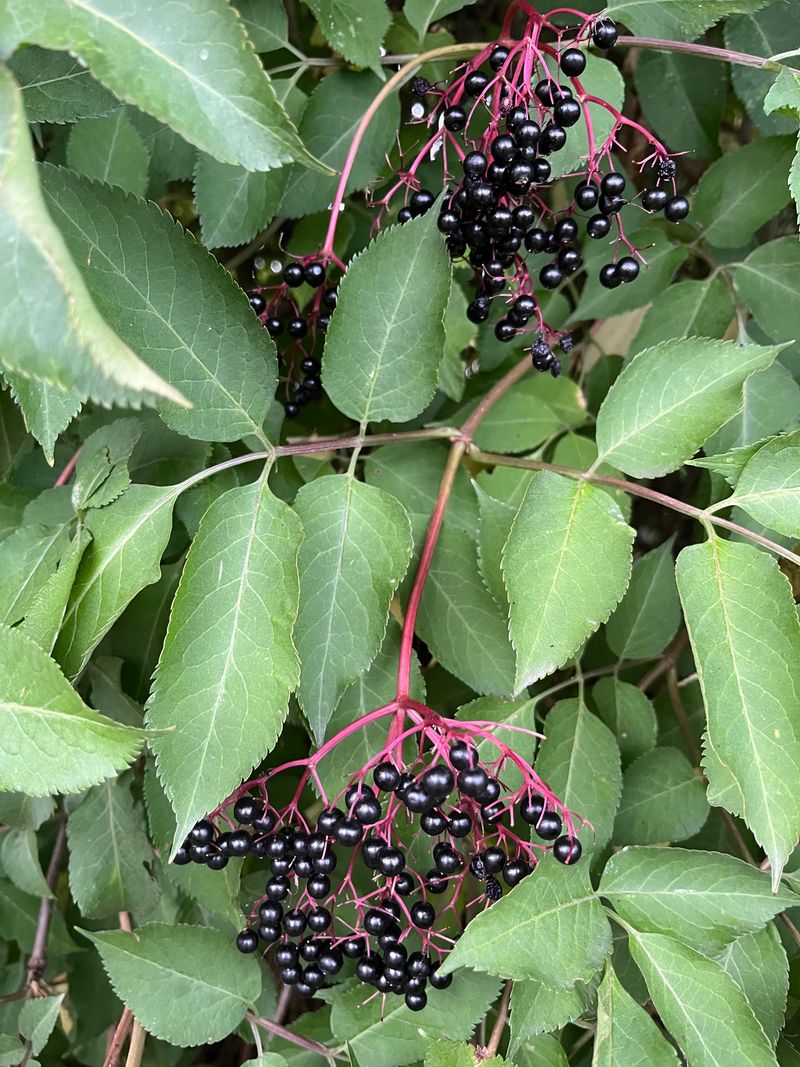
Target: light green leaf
(629,715)
(185,984)
(101,473)
(701,1005)
(386,341)
(603,80)
(128,539)
(461,622)
(683,97)
(22,812)
(537,1009)
(174,303)
(561,586)
(71,346)
(209,86)
(770,405)
(746,641)
(757,964)
(51,741)
(724,204)
(579,760)
(626,1034)
(705,899)
(353,27)
(496,520)
(27,559)
(762,33)
(334,111)
(535,409)
(48,410)
(681,20)
(542,1051)
(662,800)
(228,662)
(37,1020)
(769,487)
(421,13)
(57,88)
(356,550)
(767,281)
(45,615)
(110,149)
(669,399)
(11,1050)
(550,927)
(266,23)
(108,850)
(392,1036)
(19,858)
(729,464)
(687,309)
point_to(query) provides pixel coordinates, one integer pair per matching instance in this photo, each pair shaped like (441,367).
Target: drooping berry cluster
(359,882)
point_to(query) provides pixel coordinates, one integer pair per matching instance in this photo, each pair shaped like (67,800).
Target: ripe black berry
(598,226)
(569,259)
(573,62)
(435,882)
(459,824)
(354,948)
(447,859)
(294,922)
(286,955)
(217,861)
(498,57)
(438,781)
(609,276)
(654,199)
(515,871)
(367,810)
(386,777)
(433,823)
(550,276)
(330,961)
(417,799)
(349,832)
(202,833)
(527,133)
(586,196)
(504,331)
(293,275)
(567,850)
(531,809)
(391,862)
(318,886)
(247,809)
(416,1001)
(319,919)
(439,981)
(676,209)
(520,176)
(421,201)
(455,119)
(329,298)
(423,914)
(274,326)
(475,83)
(247,941)
(328,820)
(541,168)
(314,274)
(404,215)
(269,934)
(548,826)
(297,327)
(257,302)
(473,781)
(463,756)
(182,856)
(567,112)
(535,240)
(565,231)
(478,310)
(265,822)
(628,268)
(604,33)
(474,164)
(613,184)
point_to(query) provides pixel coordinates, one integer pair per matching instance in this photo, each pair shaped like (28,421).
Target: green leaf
(110,149)
(128,539)
(461,622)
(228,662)
(51,741)
(421,13)
(563,590)
(687,309)
(757,963)
(683,97)
(724,204)
(334,111)
(682,20)
(705,899)
(392,1036)
(45,615)
(459,333)
(266,23)
(27,559)
(56,87)
(669,399)
(767,281)
(771,404)
(601,79)
(108,851)
(71,346)
(537,1009)
(543,1051)
(386,341)
(729,464)
(194,324)
(19,858)
(496,520)
(22,812)
(525,416)
(579,760)
(185,984)
(629,715)
(625,1032)
(700,1004)
(769,486)
(746,642)
(211,88)
(101,473)
(37,1020)
(662,800)
(762,33)
(550,927)
(48,410)
(355,28)
(11,1050)
(784,95)
(356,550)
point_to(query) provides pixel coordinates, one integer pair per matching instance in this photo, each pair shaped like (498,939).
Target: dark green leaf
(663,799)
(56,87)
(629,715)
(683,96)
(110,149)
(353,27)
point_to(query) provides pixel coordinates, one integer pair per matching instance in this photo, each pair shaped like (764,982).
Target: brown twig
(667,661)
(295,1039)
(121,1031)
(37,961)
(493,1043)
(136,1047)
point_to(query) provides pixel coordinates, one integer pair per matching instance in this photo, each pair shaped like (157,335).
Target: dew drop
(204,54)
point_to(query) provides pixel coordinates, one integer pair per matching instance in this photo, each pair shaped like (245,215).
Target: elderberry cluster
(345,887)
(497,217)
(281,312)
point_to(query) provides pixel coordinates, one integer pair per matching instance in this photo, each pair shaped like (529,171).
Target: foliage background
(145,157)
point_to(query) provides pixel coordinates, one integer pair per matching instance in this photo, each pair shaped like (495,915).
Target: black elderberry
(609,276)
(314,274)
(609,205)
(421,201)
(547,91)
(447,859)
(496,174)
(569,259)
(565,231)
(503,148)
(294,922)
(573,62)
(313,976)
(531,809)
(299,842)
(318,886)
(498,57)
(520,176)
(319,919)
(474,164)
(390,936)
(598,226)
(463,756)
(331,961)
(550,276)
(472,782)
(499,221)
(391,907)
(202,833)
(613,184)
(286,955)
(628,269)
(482,195)
(541,170)
(423,914)
(567,112)
(369,968)
(417,799)
(329,298)
(459,823)
(438,781)
(404,884)
(541,355)
(375,922)
(270,912)
(504,331)
(527,133)
(311,948)
(200,853)
(515,871)
(386,777)
(490,792)
(291,974)
(478,310)
(297,327)
(415,1001)
(493,811)
(293,275)
(475,83)
(396,956)
(448,222)
(274,326)
(182,856)
(328,820)
(439,981)
(304,989)
(535,240)
(391,862)
(654,199)
(676,209)
(522,217)
(217,861)
(247,941)
(260,848)
(455,119)
(604,33)
(269,934)
(257,302)
(433,823)
(367,810)
(567,850)
(420,86)
(666,168)
(435,882)
(349,832)
(549,825)
(303,867)
(264,823)
(404,215)
(354,948)
(586,196)
(282,865)
(525,153)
